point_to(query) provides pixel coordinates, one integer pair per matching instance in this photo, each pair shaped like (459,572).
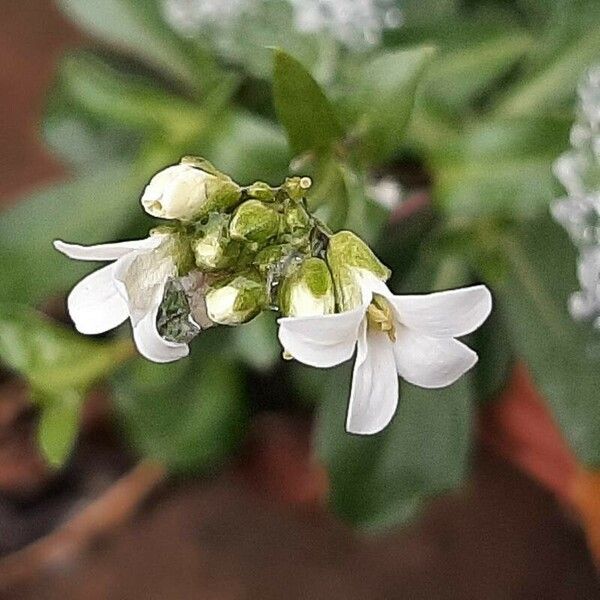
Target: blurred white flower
(578,170)
(387,192)
(586,303)
(410,336)
(354,23)
(190,16)
(130,287)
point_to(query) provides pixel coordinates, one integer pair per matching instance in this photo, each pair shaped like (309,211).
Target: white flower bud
(185,192)
(348,257)
(308,290)
(236,300)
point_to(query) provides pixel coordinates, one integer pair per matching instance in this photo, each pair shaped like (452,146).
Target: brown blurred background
(259,530)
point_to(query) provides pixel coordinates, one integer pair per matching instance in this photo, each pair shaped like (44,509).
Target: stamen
(380,317)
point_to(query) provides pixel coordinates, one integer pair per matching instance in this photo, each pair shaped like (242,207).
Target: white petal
(321,340)
(110,251)
(151,345)
(140,278)
(431,362)
(374,395)
(445,314)
(95,305)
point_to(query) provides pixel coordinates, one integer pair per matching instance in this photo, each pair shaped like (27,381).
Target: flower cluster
(226,253)
(579,172)
(356,24)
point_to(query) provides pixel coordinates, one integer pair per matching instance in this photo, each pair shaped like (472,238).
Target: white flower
(411,336)
(130,287)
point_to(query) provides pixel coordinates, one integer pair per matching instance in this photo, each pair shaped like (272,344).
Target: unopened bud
(254,222)
(261,191)
(236,300)
(348,256)
(295,216)
(186,192)
(307,290)
(213,248)
(297,187)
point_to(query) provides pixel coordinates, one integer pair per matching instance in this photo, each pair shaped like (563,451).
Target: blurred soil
(258,530)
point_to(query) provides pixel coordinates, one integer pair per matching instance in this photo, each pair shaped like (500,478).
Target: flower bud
(212,247)
(254,222)
(308,290)
(348,256)
(186,192)
(295,216)
(278,257)
(297,187)
(261,191)
(237,299)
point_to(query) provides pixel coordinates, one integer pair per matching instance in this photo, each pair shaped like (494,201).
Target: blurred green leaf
(563,355)
(256,342)
(493,345)
(58,425)
(381,480)
(60,367)
(94,208)
(553,86)
(458,78)
(52,357)
(127,100)
(248,148)
(137,27)
(501,168)
(302,107)
(380,98)
(99,112)
(191,414)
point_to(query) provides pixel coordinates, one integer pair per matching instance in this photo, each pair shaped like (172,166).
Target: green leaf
(561,354)
(302,107)
(554,85)
(380,99)
(52,357)
(191,414)
(60,367)
(248,148)
(124,99)
(493,345)
(137,27)
(381,480)
(458,78)
(58,425)
(501,168)
(94,208)
(256,342)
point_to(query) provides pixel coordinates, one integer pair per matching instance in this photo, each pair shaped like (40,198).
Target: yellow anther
(380,316)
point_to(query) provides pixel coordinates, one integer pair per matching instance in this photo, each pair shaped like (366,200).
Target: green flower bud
(297,187)
(237,299)
(273,256)
(308,290)
(254,222)
(295,216)
(347,256)
(189,191)
(212,247)
(261,191)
